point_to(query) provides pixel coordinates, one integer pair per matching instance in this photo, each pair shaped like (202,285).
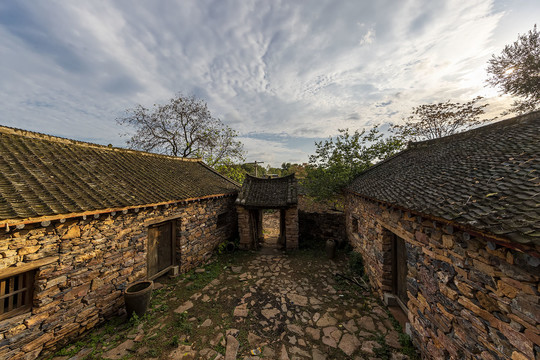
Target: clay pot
(137,297)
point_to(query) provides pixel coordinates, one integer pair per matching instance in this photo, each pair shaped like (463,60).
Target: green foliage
(337,161)
(383,352)
(356,263)
(174,341)
(516,71)
(182,324)
(234,172)
(432,121)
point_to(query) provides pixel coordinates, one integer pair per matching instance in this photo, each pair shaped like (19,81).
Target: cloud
(279,67)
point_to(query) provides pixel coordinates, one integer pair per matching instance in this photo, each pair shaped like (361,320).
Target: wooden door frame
(173,249)
(395,239)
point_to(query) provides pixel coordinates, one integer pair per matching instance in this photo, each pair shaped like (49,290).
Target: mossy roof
(42,175)
(486,179)
(268,192)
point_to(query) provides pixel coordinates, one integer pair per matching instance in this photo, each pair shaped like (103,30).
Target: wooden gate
(399,269)
(160,248)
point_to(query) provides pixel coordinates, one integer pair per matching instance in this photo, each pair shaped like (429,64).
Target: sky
(283,74)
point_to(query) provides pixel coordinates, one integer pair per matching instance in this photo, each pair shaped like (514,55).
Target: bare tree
(182,127)
(433,121)
(516,71)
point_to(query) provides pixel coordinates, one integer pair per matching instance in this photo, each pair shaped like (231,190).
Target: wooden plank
(158,220)
(2,292)
(152,256)
(11,289)
(14,223)
(14,270)
(164,240)
(22,289)
(30,289)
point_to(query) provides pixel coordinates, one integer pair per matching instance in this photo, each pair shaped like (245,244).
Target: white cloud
(305,69)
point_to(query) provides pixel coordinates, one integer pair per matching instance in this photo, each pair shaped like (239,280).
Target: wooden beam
(63,217)
(14,270)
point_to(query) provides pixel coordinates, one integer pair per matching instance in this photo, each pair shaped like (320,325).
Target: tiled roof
(486,179)
(42,175)
(268,193)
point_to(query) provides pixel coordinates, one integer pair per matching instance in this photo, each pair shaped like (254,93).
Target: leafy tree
(250,169)
(232,171)
(516,71)
(183,127)
(433,121)
(337,161)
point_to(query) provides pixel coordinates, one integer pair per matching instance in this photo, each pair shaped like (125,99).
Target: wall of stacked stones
(94,260)
(468,297)
(321,226)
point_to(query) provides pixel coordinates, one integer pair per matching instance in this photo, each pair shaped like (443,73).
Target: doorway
(399,271)
(160,248)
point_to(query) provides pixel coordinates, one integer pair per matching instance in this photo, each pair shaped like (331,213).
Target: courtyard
(248,305)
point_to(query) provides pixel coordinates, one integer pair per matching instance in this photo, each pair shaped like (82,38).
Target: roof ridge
(37,135)
(270,178)
(532,116)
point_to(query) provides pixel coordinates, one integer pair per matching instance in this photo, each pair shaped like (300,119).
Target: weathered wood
(14,270)
(62,218)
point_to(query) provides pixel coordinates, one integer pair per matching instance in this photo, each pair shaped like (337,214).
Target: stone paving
(271,306)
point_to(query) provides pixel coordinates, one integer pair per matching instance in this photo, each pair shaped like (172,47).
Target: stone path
(273,306)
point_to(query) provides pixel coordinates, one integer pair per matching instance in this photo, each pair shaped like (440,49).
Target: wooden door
(160,247)
(399,268)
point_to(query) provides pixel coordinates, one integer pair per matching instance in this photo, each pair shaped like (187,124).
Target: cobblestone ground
(265,305)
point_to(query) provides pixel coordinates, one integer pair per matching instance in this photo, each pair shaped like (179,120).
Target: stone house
(449,230)
(79,222)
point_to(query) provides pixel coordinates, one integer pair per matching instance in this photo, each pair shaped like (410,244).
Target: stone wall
(468,297)
(291,228)
(93,260)
(321,226)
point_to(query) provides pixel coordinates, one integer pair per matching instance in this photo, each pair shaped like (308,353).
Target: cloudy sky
(282,73)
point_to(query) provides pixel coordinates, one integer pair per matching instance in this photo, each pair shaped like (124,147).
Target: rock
(368,346)
(392,339)
(208,353)
(314,333)
(366,322)
(241,310)
(295,329)
(283,354)
(232,348)
(298,299)
(206,323)
(217,338)
(236,269)
(296,350)
(351,326)
(254,340)
(330,341)
(316,354)
(120,351)
(349,343)
(184,307)
(183,352)
(268,353)
(269,313)
(292,339)
(326,320)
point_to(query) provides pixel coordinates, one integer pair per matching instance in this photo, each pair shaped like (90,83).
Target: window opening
(16,294)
